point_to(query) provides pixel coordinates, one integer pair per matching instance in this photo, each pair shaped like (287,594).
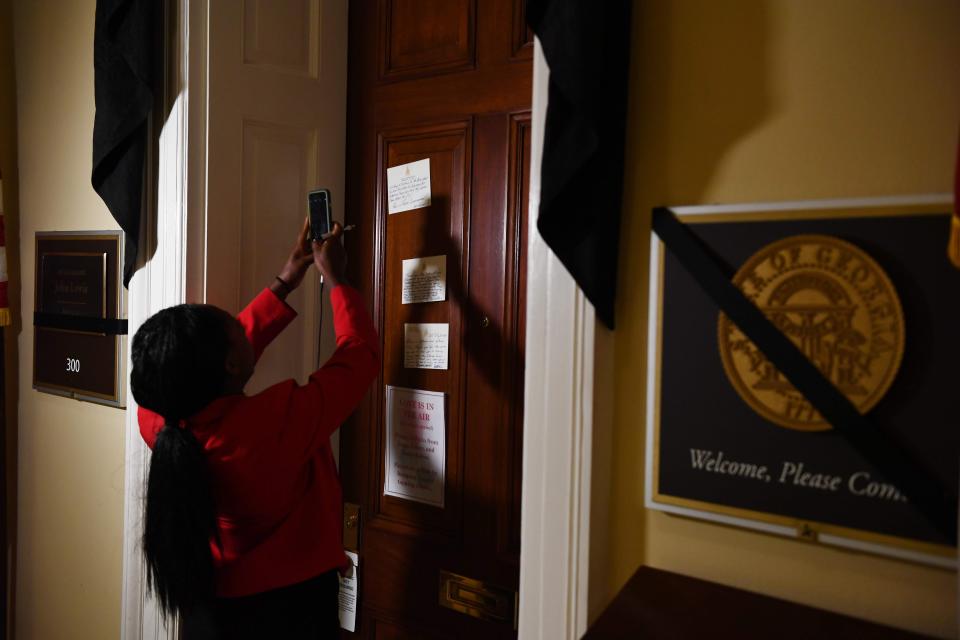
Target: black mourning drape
(125,40)
(586,44)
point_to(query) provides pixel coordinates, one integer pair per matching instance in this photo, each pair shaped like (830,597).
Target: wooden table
(660,604)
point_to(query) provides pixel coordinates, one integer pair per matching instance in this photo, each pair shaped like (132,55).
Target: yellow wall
(750,100)
(731,101)
(70,494)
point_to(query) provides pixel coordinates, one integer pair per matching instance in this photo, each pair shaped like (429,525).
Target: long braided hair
(178,368)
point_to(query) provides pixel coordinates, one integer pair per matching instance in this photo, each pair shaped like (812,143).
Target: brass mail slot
(478,599)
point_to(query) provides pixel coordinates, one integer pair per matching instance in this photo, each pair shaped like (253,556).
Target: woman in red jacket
(242,532)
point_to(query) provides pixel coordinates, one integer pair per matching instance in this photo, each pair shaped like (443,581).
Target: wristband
(283,283)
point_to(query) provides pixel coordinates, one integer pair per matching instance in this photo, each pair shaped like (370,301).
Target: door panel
(423,37)
(449,81)
(515,310)
(277,104)
(522,34)
(277,165)
(282,36)
(437,231)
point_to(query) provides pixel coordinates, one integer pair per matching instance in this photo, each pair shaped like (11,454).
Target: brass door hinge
(351,527)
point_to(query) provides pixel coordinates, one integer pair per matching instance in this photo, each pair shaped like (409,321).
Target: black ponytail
(179,522)
(178,368)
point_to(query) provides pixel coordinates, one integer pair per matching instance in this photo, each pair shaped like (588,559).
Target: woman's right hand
(330,257)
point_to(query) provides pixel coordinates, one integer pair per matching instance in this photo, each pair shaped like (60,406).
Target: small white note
(348,594)
(424,280)
(425,345)
(408,186)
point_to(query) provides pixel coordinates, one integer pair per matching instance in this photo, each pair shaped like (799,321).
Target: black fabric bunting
(125,38)
(587,47)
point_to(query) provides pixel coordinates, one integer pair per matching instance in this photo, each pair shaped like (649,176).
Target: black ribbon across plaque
(879,448)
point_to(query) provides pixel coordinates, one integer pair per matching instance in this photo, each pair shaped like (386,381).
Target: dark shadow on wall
(699,84)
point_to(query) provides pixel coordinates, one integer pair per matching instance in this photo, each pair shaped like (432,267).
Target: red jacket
(276,488)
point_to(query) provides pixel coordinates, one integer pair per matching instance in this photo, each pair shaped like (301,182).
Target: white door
(255,117)
(276,128)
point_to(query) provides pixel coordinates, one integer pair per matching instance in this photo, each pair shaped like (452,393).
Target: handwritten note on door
(424,280)
(416,452)
(425,345)
(408,186)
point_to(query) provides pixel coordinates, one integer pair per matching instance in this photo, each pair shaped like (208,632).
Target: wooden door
(447,80)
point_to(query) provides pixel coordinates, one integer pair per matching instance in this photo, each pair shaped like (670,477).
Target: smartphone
(318,203)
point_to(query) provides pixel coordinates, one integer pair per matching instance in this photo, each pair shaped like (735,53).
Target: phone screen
(319,202)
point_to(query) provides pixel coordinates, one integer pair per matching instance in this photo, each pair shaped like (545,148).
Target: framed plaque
(79,334)
(865,291)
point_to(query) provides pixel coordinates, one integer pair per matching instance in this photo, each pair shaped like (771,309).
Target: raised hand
(299,260)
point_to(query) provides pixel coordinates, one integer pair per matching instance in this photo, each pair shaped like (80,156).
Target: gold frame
(809,530)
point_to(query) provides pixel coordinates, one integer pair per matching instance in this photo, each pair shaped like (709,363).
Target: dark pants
(304,610)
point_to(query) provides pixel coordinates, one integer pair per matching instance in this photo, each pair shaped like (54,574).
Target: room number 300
(73,365)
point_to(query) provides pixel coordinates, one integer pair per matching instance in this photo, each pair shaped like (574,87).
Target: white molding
(194,156)
(558,427)
(161,281)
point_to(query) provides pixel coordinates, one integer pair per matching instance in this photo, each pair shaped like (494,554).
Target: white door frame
(558,392)
(174,234)
(557,426)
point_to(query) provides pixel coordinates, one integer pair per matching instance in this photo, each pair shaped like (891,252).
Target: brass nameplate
(78,304)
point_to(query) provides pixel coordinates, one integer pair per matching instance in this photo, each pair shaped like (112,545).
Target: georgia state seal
(840,309)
